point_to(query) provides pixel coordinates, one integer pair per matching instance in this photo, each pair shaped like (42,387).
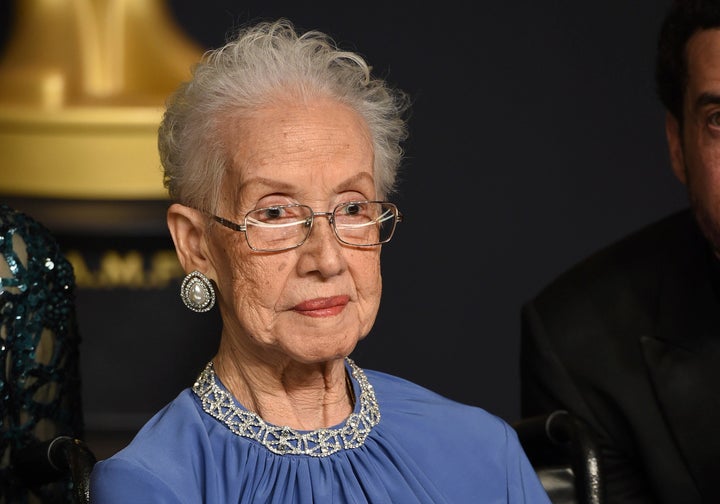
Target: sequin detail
(219,404)
(39,350)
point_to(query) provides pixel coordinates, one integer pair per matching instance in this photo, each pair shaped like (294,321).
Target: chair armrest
(54,459)
(560,439)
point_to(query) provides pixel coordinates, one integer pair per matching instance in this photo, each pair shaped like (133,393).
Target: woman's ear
(675,146)
(187,228)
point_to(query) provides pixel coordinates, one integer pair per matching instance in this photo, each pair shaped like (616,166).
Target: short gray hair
(259,63)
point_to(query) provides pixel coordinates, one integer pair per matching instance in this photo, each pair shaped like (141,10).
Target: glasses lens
(278,227)
(365,222)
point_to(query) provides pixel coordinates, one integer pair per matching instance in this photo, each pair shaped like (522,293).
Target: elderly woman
(279,155)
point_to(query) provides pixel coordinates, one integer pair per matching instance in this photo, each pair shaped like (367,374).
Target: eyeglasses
(285,227)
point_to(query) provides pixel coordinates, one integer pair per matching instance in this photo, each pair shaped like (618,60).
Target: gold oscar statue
(82,91)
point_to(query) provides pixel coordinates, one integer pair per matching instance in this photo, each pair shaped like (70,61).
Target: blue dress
(402,444)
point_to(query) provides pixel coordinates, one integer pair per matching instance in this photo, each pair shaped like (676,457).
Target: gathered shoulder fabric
(424,448)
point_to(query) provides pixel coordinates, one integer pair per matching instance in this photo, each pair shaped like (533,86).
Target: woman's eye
(273,213)
(352,209)
(283,213)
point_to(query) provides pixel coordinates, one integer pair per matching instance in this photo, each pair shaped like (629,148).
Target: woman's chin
(314,354)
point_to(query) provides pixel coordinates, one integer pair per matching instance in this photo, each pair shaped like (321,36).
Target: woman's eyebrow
(266,182)
(283,186)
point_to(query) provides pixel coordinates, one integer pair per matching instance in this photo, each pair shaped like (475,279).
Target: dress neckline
(282,440)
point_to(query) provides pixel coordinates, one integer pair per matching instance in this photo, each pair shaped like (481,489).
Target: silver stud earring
(197,292)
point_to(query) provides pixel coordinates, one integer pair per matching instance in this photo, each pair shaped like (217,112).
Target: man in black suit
(629,339)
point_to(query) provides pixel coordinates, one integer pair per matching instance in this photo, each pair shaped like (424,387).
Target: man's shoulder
(629,266)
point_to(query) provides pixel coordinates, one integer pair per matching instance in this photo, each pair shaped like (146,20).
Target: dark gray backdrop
(536,137)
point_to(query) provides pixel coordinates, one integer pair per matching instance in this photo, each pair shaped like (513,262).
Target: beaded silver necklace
(284,440)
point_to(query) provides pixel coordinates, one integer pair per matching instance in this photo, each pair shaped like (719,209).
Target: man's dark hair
(684,18)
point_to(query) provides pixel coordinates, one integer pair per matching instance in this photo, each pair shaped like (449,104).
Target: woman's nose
(322,224)
(322,252)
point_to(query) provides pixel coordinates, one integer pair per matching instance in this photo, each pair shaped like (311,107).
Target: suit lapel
(683,359)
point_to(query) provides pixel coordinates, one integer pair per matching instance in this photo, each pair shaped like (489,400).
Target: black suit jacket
(629,340)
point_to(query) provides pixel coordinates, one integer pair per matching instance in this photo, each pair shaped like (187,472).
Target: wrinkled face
(314,302)
(695,151)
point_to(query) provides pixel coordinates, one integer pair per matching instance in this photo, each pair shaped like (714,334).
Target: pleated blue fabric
(424,449)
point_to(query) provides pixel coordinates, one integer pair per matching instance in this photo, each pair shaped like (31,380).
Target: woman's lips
(322,307)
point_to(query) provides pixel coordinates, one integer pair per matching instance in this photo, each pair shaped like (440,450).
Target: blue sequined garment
(39,368)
